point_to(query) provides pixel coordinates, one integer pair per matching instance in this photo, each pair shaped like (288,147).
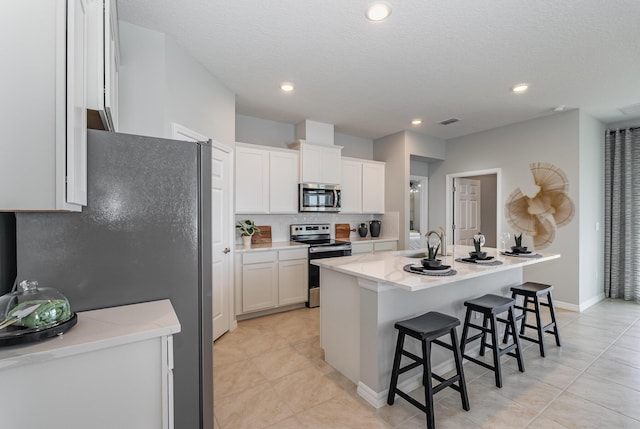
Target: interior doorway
(477,195)
(418,211)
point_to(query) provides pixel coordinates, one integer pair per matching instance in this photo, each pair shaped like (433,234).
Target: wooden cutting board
(264,236)
(343,230)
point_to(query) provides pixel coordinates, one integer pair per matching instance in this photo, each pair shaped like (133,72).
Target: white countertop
(387,267)
(277,245)
(98,329)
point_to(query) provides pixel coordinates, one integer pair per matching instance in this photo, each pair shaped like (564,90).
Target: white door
(466,210)
(221,242)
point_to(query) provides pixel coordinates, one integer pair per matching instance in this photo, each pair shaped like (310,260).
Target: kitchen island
(363,296)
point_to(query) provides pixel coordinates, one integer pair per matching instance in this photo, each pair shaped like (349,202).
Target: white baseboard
(583,305)
(379,399)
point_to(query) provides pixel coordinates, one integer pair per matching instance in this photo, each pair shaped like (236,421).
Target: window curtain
(622,214)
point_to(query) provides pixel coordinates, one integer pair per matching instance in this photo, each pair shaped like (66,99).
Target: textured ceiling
(431,59)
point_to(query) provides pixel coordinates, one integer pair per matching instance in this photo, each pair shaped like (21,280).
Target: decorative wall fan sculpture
(539,216)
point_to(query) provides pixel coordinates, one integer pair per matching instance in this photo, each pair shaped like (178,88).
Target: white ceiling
(432,59)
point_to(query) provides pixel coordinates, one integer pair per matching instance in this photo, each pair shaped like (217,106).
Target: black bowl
(431,263)
(518,249)
(478,255)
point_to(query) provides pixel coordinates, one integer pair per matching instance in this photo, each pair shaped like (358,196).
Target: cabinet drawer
(259,257)
(357,248)
(384,245)
(288,255)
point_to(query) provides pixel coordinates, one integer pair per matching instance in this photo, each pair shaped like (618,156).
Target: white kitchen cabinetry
(319,163)
(259,281)
(293,271)
(351,186)
(269,279)
(373,246)
(283,182)
(103,64)
(359,248)
(252,180)
(113,370)
(362,186)
(43,164)
(266,180)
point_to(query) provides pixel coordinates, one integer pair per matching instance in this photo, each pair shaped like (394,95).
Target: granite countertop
(387,267)
(96,330)
(277,245)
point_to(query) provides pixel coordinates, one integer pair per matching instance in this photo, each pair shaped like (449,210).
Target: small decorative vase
(362,230)
(374,225)
(246,240)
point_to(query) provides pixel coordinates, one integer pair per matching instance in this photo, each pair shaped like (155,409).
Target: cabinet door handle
(226,250)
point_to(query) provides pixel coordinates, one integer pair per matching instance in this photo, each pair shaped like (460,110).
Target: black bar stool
(427,328)
(532,292)
(490,306)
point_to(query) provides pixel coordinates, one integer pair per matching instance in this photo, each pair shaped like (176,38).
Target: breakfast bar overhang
(363,296)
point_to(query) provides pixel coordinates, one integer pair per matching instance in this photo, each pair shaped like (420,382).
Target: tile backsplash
(280,223)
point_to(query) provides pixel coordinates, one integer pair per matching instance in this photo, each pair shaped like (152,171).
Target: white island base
(363,296)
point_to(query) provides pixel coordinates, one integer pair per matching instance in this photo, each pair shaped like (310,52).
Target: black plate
(488,258)
(440,268)
(20,335)
(528,252)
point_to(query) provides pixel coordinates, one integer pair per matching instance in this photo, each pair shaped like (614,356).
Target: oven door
(319,198)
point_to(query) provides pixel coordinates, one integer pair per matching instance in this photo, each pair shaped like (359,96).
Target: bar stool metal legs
(490,306)
(427,329)
(531,293)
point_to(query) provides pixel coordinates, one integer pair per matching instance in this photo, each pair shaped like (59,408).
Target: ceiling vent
(449,121)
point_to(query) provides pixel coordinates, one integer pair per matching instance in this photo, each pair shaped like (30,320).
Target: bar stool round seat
(490,306)
(427,328)
(531,292)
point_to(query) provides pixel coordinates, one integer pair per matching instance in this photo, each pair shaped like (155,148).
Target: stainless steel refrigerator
(144,235)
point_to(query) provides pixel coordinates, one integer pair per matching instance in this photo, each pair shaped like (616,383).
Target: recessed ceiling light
(378,11)
(560,108)
(520,88)
(416,122)
(287,86)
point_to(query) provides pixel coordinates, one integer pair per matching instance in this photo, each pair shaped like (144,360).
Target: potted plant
(247,228)
(478,242)
(433,245)
(518,248)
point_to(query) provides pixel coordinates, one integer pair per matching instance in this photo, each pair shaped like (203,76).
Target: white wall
(161,83)
(355,147)
(591,224)
(264,132)
(141,81)
(279,134)
(553,139)
(195,98)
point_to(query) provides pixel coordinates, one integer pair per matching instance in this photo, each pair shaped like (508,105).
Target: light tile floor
(270,373)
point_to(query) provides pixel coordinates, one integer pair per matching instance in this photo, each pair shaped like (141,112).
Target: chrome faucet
(442,236)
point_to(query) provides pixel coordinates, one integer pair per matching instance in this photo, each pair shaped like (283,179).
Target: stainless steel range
(321,245)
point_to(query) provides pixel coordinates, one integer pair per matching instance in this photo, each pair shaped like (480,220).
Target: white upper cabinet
(43,160)
(266,180)
(373,187)
(283,182)
(252,180)
(103,64)
(319,163)
(362,186)
(351,186)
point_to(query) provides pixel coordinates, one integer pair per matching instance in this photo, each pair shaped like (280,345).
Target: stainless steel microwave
(316,197)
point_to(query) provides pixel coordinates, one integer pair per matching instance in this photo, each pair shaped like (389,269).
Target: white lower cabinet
(271,279)
(290,289)
(359,248)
